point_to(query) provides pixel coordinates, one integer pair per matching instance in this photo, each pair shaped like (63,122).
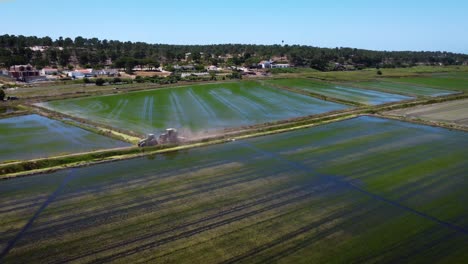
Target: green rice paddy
(195,108)
(357,191)
(409,89)
(454,81)
(343,92)
(34,136)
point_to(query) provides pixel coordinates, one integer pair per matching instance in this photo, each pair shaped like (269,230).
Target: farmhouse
(280,66)
(23,72)
(270,64)
(106,72)
(183,75)
(184,67)
(212,68)
(265,64)
(39,48)
(48,71)
(76,75)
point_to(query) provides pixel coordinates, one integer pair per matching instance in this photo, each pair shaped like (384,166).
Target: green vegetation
(340,91)
(389,85)
(100,81)
(34,136)
(95,53)
(452,83)
(195,108)
(360,190)
(371,74)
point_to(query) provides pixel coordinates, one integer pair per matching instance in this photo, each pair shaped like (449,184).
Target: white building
(76,75)
(212,68)
(265,64)
(48,71)
(280,66)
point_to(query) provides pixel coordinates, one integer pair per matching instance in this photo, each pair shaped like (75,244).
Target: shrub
(139,79)
(100,81)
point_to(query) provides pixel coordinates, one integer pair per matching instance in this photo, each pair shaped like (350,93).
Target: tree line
(96,53)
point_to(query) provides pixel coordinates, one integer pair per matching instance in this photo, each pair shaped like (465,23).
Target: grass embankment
(10,109)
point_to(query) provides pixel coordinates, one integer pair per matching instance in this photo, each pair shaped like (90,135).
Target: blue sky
(378,25)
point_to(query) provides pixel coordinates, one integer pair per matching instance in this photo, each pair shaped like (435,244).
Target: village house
(39,48)
(270,64)
(23,73)
(105,72)
(184,67)
(80,74)
(265,64)
(48,71)
(187,74)
(280,65)
(212,68)
(76,75)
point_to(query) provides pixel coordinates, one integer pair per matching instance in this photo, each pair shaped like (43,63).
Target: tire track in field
(30,222)
(117,111)
(178,110)
(247,102)
(201,229)
(351,185)
(32,202)
(150,110)
(257,200)
(114,110)
(264,199)
(425,247)
(148,206)
(352,215)
(268,221)
(21,204)
(226,102)
(122,107)
(144,110)
(300,231)
(274,102)
(161,175)
(207,110)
